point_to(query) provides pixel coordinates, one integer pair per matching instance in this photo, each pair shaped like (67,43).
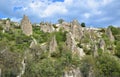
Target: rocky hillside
(66,49)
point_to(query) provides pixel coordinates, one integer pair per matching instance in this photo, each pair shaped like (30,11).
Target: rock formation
(53,45)
(76,30)
(91,72)
(95,50)
(71,44)
(73,73)
(47,27)
(0,72)
(26,26)
(33,44)
(7,25)
(109,34)
(102,44)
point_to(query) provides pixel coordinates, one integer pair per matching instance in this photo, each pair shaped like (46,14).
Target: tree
(60,21)
(83,24)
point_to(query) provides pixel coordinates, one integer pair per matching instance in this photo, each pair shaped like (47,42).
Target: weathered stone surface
(7,25)
(109,34)
(76,30)
(73,73)
(33,44)
(44,47)
(102,44)
(47,27)
(0,72)
(95,51)
(71,44)
(53,44)
(91,73)
(26,26)
(65,26)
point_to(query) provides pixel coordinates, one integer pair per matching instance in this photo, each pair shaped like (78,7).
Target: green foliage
(107,66)
(86,63)
(104,65)
(117,49)
(39,35)
(52,66)
(115,32)
(83,24)
(60,21)
(60,36)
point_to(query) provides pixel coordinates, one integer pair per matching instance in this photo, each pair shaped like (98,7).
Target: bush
(83,24)
(107,66)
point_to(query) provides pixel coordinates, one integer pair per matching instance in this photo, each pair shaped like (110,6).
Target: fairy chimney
(26,26)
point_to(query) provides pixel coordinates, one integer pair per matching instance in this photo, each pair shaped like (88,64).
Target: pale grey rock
(0,72)
(73,73)
(95,50)
(53,45)
(33,43)
(44,47)
(7,25)
(47,27)
(71,44)
(109,34)
(102,44)
(22,69)
(65,26)
(26,26)
(91,72)
(76,30)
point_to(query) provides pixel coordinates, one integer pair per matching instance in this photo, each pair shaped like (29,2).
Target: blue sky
(96,13)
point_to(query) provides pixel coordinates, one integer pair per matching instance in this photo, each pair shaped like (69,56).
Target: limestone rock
(33,44)
(76,30)
(109,34)
(73,73)
(7,25)
(91,73)
(0,72)
(47,27)
(26,26)
(44,47)
(53,44)
(102,44)
(95,51)
(71,44)
(65,26)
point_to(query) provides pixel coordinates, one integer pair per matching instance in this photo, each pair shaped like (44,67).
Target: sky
(95,13)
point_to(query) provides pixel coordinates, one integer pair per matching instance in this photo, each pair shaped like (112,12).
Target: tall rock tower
(26,26)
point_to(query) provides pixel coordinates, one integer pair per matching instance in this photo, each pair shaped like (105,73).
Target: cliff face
(58,50)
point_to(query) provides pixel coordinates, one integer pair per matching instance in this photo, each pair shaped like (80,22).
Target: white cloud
(16,19)
(86,15)
(84,10)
